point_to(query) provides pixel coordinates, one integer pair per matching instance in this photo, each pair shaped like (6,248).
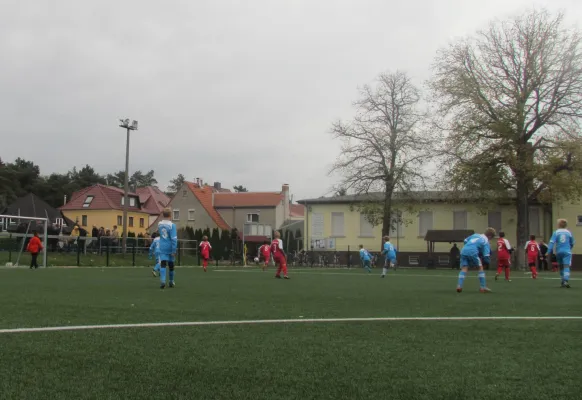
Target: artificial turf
(502,359)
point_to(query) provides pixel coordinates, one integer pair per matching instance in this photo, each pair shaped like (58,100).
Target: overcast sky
(241,92)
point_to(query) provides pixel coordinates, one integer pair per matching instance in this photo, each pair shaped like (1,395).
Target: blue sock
(482,282)
(163,276)
(172,275)
(157,268)
(462,275)
(566,276)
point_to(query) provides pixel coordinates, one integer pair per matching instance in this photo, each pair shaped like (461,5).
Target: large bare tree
(511,102)
(384,146)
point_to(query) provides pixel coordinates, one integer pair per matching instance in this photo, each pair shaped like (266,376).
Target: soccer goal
(16,230)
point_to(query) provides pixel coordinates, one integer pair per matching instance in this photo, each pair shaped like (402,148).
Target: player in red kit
(533,251)
(504,251)
(265,252)
(279,256)
(205,248)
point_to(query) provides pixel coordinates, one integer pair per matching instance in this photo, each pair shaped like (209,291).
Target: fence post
(78,251)
(10,248)
(349,257)
(179,255)
(198,256)
(133,254)
(107,254)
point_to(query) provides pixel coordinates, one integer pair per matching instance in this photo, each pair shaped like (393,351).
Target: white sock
(384,271)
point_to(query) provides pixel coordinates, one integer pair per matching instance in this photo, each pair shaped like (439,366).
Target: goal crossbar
(44,234)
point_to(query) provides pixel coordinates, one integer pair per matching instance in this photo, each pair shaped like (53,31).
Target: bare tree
(383,147)
(511,103)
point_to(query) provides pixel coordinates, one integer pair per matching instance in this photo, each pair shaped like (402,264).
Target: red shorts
(532,261)
(503,263)
(281,261)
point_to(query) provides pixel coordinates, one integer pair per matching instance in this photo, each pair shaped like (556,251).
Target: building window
(141,222)
(88,201)
(366,227)
(253,218)
(424,222)
(132,201)
(579,220)
(534,221)
(176,215)
(83,220)
(131,222)
(460,220)
(397,224)
(191,214)
(337,224)
(494,220)
(119,220)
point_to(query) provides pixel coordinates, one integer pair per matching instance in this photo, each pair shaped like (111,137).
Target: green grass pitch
(463,359)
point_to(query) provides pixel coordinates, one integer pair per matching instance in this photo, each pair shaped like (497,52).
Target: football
(256,259)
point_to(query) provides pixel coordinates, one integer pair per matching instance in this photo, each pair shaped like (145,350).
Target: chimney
(198,181)
(286,206)
(217,185)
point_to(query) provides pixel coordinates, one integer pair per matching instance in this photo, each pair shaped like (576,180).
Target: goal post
(20,226)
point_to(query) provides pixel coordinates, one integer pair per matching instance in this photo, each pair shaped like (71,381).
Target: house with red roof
(102,206)
(258,214)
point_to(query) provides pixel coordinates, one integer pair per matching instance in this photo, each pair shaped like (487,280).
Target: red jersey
(277,249)
(265,250)
(34,245)
(533,249)
(503,248)
(205,248)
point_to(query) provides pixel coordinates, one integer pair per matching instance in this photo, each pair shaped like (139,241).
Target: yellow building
(340,223)
(102,206)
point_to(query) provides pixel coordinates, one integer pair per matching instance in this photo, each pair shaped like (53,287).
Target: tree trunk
(522,228)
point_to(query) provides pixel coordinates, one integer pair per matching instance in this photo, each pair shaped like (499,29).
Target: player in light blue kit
(561,244)
(390,255)
(168,245)
(155,252)
(476,249)
(366,258)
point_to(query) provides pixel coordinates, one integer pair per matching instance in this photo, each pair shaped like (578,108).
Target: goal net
(15,233)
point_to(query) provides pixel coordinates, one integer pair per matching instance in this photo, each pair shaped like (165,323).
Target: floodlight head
(134,125)
(126,122)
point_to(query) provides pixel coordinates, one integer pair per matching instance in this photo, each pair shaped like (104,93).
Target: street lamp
(124,123)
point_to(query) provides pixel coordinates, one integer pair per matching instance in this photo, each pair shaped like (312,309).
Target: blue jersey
(477,246)
(168,237)
(364,255)
(155,248)
(389,251)
(563,241)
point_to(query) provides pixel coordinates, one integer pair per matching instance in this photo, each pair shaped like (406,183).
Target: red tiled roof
(152,199)
(248,199)
(104,198)
(297,210)
(204,196)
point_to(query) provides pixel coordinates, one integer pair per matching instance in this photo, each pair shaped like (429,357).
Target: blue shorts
(470,261)
(564,259)
(167,257)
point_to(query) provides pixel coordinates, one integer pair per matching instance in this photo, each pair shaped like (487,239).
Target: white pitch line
(283,321)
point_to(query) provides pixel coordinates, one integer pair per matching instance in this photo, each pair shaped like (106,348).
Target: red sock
(279,270)
(499,270)
(205,263)
(507,272)
(534,272)
(284,267)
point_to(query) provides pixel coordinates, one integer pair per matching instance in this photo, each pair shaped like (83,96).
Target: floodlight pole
(133,127)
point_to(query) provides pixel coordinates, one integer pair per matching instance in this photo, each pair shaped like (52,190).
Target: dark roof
(104,198)
(419,196)
(448,236)
(31,205)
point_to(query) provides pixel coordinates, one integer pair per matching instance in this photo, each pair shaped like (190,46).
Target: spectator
(95,232)
(74,237)
(34,247)
(455,257)
(543,256)
(114,238)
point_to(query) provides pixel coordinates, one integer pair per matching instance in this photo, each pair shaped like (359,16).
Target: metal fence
(87,251)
